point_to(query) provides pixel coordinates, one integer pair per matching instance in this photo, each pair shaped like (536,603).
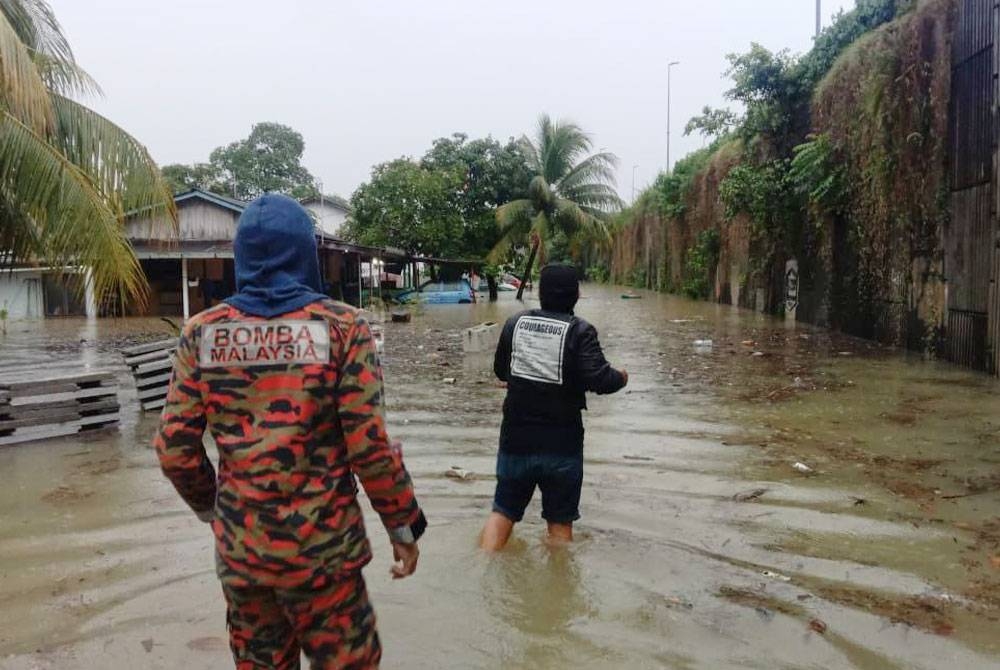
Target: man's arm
(178,442)
(501,359)
(372,458)
(595,372)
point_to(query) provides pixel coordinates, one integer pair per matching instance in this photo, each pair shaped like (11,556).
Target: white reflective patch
(264,343)
(537,349)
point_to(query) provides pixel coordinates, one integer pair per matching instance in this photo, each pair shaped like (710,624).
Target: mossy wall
(872,263)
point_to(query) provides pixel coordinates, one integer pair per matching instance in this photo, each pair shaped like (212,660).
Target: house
(330,211)
(191,268)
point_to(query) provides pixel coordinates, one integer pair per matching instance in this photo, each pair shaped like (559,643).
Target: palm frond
(514,221)
(36,26)
(560,144)
(63,217)
(118,164)
(595,196)
(66,77)
(22,90)
(597,168)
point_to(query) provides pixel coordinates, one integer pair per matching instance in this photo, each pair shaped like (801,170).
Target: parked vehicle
(440,293)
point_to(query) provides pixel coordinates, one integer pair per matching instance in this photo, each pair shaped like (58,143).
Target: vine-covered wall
(850,181)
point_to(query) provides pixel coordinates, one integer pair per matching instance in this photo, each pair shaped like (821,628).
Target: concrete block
(483,337)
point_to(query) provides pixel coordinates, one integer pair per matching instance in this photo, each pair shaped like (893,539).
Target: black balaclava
(559,288)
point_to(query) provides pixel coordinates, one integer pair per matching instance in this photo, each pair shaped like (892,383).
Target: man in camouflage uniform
(287,383)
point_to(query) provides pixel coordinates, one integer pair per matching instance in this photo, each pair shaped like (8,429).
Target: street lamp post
(669,68)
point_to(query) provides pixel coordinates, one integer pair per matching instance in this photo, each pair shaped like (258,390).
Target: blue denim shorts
(559,477)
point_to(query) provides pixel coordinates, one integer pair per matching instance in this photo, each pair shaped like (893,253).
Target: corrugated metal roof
(215,198)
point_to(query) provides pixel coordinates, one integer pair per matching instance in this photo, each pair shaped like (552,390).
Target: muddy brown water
(700,545)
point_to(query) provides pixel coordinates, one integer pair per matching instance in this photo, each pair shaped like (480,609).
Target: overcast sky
(366,81)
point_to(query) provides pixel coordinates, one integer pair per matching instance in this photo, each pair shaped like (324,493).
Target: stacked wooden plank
(35,409)
(151,365)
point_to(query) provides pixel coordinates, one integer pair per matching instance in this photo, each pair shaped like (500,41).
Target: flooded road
(701,545)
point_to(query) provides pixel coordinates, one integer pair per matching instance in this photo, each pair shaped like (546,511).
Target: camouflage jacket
(294,406)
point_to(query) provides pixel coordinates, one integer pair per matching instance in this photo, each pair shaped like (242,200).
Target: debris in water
(776,575)
(401,316)
(703,345)
(758,354)
(674,601)
(638,458)
(748,343)
(764,613)
(455,472)
(148,645)
(631,296)
(747,496)
(818,625)
(858,501)
(449,380)
(803,468)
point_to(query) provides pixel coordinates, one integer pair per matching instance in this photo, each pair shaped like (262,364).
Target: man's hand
(625,375)
(406,556)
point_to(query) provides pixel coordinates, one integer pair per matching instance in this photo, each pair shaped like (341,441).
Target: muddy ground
(701,545)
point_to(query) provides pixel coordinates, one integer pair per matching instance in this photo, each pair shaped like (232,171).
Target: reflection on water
(702,546)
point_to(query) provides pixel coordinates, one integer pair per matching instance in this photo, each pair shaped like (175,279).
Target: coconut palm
(67,174)
(572,193)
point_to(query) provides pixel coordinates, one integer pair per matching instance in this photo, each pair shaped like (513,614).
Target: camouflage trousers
(334,625)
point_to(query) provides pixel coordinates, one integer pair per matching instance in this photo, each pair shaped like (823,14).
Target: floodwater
(701,545)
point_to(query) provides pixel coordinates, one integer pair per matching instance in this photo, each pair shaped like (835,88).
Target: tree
(712,123)
(493,174)
(204,176)
(409,207)
(268,161)
(572,194)
(67,174)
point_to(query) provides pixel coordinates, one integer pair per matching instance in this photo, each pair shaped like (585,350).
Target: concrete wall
(21,295)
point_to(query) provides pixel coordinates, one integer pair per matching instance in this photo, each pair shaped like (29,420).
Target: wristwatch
(410,533)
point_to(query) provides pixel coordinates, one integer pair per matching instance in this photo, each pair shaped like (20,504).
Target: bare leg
(560,533)
(496,532)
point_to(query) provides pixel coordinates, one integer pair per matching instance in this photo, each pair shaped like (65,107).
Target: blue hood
(277,269)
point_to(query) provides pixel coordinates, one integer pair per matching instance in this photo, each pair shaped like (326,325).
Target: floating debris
(455,472)
(776,575)
(818,625)
(747,496)
(803,468)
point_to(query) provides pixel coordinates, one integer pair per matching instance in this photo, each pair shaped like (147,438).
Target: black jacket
(549,361)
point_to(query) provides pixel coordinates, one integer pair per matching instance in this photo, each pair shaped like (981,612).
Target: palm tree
(67,174)
(572,193)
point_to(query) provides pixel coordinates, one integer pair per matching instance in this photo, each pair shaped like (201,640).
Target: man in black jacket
(549,359)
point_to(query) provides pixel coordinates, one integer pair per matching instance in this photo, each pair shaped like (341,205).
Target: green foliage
(409,207)
(599,273)
(712,123)
(702,259)
(570,200)
(495,174)
(671,188)
(204,176)
(268,161)
(445,204)
(819,175)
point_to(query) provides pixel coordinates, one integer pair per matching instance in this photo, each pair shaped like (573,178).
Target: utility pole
(819,16)
(669,68)
(634,168)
